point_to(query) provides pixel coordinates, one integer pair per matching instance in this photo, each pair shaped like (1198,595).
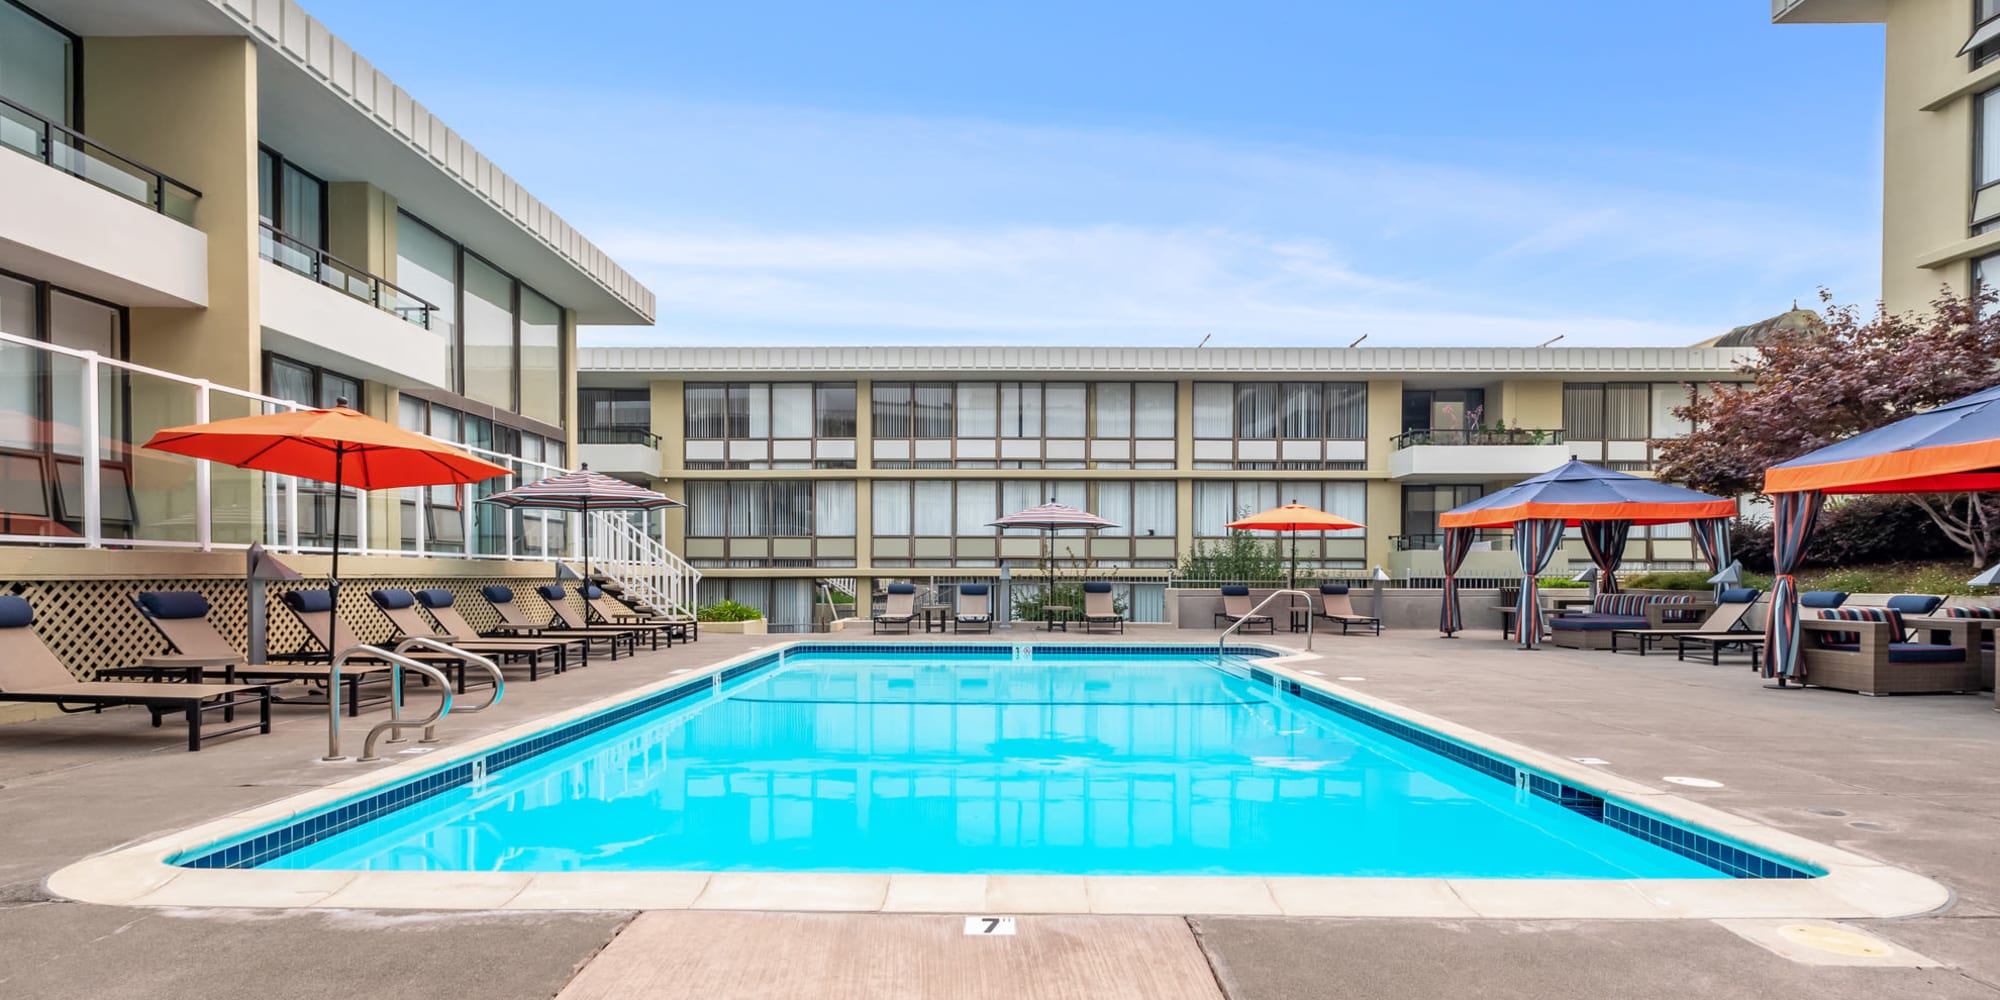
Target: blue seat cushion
(1596,623)
(1740,595)
(591,592)
(1235,590)
(902,588)
(497,593)
(1822,598)
(15,612)
(1097,587)
(173,604)
(1333,588)
(1914,604)
(550,591)
(309,601)
(1909,652)
(393,598)
(975,589)
(436,598)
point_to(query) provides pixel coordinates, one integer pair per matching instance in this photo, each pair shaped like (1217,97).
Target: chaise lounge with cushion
(1870,650)
(1336,605)
(1727,621)
(899,609)
(1614,612)
(181,617)
(975,608)
(1236,607)
(1100,608)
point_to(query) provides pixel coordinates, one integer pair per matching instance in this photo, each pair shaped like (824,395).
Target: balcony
(64,192)
(1476,454)
(620,451)
(322,310)
(1829,11)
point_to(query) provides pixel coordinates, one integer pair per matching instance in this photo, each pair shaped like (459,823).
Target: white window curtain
(1020,409)
(1113,410)
(1256,410)
(1627,407)
(791,508)
(1214,410)
(758,414)
(1666,396)
(1064,405)
(1255,498)
(1071,492)
(1114,503)
(833,508)
(1300,410)
(1153,411)
(748,513)
(1018,495)
(792,410)
(707,410)
(1153,509)
(978,408)
(932,411)
(931,508)
(891,501)
(1214,507)
(978,503)
(1348,500)
(708,510)
(1346,410)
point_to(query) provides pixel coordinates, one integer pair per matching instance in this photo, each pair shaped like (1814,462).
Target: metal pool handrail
(395,720)
(499,680)
(1222,641)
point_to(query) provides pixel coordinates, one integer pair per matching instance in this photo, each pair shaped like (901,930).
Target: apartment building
(801,465)
(212,208)
(1941,139)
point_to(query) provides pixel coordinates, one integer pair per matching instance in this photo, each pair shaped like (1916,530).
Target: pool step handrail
(486,663)
(1222,641)
(398,663)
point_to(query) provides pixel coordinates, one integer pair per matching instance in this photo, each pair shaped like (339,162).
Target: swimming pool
(996,759)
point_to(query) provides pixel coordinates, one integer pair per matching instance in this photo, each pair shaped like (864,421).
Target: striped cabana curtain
(1606,542)
(1537,541)
(1711,535)
(1457,542)
(1795,515)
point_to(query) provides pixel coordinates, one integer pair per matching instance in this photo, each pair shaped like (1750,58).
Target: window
(541,358)
(1275,410)
(37,71)
(834,410)
(930,411)
(1063,409)
(506,339)
(792,410)
(1986,280)
(1214,410)
(1443,413)
(427,266)
(833,508)
(1218,502)
(1113,410)
(1423,504)
(1985,161)
(892,409)
(890,500)
(1984,43)
(707,411)
(308,385)
(1153,410)
(489,334)
(614,416)
(978,409)
(1627,411)
(1583,411)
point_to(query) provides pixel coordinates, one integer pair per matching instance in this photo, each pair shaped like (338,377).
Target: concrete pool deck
(1909,782)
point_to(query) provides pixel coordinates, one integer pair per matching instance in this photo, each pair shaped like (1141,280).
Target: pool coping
(1854,886)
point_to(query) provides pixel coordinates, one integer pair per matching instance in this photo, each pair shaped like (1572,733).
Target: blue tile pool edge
(258,845)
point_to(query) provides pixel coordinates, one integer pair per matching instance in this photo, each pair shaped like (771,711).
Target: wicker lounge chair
(1100,608)
(1729,617)
(515,621)
(400,607)
(1865,650)
(181,617)
(30,673)
(1337,606)
(975,608)
(608,612)
(1236,608)
(900,609)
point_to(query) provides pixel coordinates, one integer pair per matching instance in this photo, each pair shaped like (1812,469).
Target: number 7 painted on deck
(989,926)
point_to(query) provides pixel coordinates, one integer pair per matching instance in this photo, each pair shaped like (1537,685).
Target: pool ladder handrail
(1222,641)
(400,661)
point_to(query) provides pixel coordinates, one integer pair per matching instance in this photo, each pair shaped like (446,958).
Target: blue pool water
(946,762)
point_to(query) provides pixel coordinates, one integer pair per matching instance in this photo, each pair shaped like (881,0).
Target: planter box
(755,626)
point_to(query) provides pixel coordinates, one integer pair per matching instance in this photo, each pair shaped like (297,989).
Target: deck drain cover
(1354,678)
(1837,940)
(1590,760)
(1692,782)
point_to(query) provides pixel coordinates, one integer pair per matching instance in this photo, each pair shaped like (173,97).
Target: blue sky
(1126,172)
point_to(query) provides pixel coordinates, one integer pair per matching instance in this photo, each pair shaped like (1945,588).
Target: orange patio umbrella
(342,446)
(1294,517)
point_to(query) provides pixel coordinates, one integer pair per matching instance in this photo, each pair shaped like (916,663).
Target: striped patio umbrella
(1294,517)
(1052,517)
(582,491)
(1954,448)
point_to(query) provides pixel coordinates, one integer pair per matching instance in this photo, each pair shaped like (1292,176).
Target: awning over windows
(1985,32)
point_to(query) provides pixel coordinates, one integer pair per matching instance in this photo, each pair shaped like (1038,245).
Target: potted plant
(731,617)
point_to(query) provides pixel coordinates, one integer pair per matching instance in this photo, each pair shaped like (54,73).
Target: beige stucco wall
(1927,158)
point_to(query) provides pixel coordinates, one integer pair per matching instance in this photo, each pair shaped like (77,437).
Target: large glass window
(1063,407)
(489,334)
(1423,504)
(1153,410)
(835,410)
(615,408)
(978,409)
(1113,410)
(1269,410)
(891,402)
(541,358)
(1986,160)
(1583,411)
(930,411)
(427,266)
(792,410)
(833,508)
(37,71)
(1985,31)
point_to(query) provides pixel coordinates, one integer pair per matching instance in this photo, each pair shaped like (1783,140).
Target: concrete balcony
(1829,11)
(75,220)
(625,452)
(311,321)
(1473,456)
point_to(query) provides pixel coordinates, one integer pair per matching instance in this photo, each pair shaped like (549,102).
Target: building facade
(1941,139)
(802,465)
(213,208)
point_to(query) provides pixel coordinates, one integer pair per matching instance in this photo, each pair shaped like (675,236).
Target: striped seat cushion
(1853,639)
(1634,605)
(1972,612)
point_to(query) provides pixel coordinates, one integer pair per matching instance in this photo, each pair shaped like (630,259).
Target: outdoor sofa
(1872,650)
(1614,612)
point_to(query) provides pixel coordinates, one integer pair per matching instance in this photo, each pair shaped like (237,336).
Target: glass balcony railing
(1456,436)
(75,154)
(331,271)
(617,434)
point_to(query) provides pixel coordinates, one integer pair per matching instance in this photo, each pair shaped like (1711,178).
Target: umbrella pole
(333,576)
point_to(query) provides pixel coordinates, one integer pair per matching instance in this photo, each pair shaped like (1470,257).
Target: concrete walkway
(1912,781)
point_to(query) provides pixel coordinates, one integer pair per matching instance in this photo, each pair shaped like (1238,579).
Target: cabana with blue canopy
(1603,504)
(1952,449)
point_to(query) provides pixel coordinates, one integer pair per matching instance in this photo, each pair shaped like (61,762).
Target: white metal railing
(843,585)
(1222,641)
(173,501)
(647,569)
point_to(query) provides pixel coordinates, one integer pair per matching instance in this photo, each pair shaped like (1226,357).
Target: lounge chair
(443,607)
(30,673)
(611,606)
(400,607)
(579,623)
(597,602)
(899,609)
(1337,606)
(1725,621)
(1236,608)
(1100,608)
(181,617)
(515,621)
(975,608)
(314,610)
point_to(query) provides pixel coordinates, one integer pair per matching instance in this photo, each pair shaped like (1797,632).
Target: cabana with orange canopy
(1952,449)
(1603,504)
(1294,517)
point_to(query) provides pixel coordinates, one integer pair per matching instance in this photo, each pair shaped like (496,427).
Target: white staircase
(649,572)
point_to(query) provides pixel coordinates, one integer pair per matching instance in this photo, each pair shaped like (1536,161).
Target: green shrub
(1560,583)
(1687,580)
(727,611)
(1240,556)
